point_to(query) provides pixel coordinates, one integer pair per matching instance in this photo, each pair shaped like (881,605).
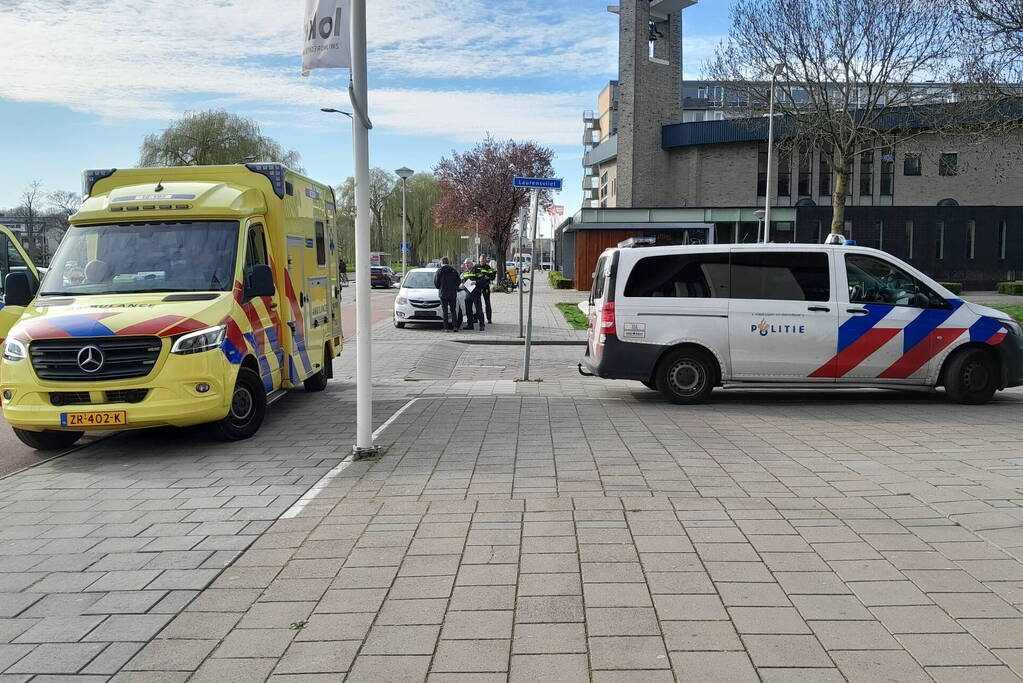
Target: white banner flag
(327,39)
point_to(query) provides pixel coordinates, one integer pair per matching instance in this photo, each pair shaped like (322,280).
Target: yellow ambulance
(179,296)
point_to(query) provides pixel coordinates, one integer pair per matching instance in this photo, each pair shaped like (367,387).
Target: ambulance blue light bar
(274,173)
(92,176)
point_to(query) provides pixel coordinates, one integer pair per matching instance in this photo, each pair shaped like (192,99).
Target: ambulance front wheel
(248,408)
(971,376)
(47,441)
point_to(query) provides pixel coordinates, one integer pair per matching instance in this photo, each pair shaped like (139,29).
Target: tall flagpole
(360,146)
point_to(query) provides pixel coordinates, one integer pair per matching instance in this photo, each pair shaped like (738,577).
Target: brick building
(950,206)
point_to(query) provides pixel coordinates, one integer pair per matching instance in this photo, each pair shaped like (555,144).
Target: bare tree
(63,205)
(847,66)
(990,46)
(31,208)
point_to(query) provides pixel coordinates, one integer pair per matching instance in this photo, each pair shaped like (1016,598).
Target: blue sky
(82,88)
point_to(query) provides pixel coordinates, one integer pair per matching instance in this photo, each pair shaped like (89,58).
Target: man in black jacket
(446,281)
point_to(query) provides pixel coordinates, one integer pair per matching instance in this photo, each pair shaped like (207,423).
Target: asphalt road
(15,456)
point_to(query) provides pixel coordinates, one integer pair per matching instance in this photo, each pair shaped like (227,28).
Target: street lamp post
(775,72)
(404,173)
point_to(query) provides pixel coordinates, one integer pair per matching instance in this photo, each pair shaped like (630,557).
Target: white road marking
(311,494)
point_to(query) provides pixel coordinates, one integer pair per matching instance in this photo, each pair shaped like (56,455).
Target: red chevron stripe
(154,326)
(186,325)
(857,352)
(997,339)
(918,356)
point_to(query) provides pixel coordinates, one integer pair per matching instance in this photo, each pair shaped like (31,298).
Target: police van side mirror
(18,290)
(920,300)
(259,281)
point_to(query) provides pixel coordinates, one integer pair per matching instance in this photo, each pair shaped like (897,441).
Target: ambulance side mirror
(259,282)
(18,289)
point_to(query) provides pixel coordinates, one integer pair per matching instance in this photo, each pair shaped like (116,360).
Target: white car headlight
(15,350)
(401,301)
(197,342)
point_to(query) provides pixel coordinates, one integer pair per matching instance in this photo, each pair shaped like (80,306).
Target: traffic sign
(537,183)
(406,247)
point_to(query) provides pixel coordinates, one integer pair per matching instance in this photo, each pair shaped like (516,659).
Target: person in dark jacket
(447,281)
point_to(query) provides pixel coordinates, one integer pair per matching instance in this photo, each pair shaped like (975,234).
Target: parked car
(379,277)
(685,319)
(395,277)
(418,300)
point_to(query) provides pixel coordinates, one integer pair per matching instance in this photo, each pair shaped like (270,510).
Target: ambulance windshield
(187,256)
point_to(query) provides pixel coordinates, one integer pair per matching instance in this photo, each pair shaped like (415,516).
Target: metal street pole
(534,207)
(404,173)
(364,330)
(778,68)
(518,266)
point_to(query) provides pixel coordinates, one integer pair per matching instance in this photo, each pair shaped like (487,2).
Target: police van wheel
(318,382)
(971,377)
(686,376)
(47,441)
(248,408)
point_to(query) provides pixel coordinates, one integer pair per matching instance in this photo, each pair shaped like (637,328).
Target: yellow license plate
(104,419)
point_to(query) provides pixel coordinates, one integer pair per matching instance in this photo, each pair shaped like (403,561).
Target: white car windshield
(187,256)
(418,279)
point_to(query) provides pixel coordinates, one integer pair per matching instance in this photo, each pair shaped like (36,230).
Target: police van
(686,319)
(178,296)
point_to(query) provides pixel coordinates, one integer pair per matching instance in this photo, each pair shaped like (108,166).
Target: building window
(909,239)
(887,173)
(971,239)
(867,173)
(824,177)
(1001,239)
(762,170)
(603,178)
(784,173)
(948,164)
(911,163)
(805,171)
(701,93)
(939,242)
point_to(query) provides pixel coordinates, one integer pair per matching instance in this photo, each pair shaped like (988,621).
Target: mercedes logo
(91,359)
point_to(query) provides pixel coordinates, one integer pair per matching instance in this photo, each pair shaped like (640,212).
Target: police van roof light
(637,242)
(835,238)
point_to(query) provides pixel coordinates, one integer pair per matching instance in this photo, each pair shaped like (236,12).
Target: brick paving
(570,529)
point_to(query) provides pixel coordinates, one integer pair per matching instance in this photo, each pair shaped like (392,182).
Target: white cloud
(148,59)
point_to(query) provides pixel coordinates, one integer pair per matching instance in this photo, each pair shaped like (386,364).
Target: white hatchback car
(417,300)
(686,319)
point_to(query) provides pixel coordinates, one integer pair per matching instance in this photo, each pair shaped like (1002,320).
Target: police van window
(680,275)
(599,279)
(873,281)
(788,276)
(255,253)
(321,246)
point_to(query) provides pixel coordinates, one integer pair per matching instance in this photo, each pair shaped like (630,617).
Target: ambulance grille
(123,358)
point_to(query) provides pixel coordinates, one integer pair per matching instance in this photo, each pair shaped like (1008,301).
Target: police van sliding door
(782,316)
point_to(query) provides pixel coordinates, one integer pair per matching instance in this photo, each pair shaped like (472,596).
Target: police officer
(472,281)
(490,276)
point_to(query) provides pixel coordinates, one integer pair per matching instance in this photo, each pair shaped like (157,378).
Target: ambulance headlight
(15,350)
(197,342)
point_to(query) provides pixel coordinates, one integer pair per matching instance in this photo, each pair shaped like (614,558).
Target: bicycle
(343,279)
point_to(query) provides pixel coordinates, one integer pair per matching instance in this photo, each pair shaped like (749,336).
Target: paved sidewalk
(554,539)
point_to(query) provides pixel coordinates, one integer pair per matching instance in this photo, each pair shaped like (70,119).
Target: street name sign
(537,183)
